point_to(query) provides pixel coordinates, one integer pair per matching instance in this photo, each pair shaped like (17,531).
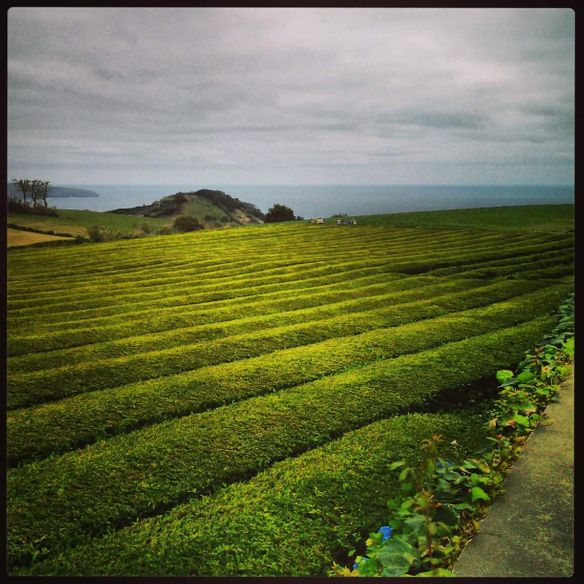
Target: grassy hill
(210,208)
(228,402)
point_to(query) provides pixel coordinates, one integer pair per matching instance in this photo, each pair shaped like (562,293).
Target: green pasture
(75,222)
(540,218)
(227,403)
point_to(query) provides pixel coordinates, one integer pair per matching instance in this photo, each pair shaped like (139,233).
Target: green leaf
(396,556)
(397,464)
(478,494)
(446,514)
(504,375)
(415,523)
(521,420)
(525,376)
(443,572)
(568,347)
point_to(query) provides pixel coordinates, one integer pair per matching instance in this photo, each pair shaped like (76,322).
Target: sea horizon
(327,199)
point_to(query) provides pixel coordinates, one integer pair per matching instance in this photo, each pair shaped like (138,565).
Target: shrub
(186,223)
(97,233)
(147,228)
(232,442)
(279,213)
(287,520)
(16,206)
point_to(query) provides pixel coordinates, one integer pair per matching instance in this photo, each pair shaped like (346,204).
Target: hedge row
(65,500)
(287,521)
(138,255)
(531,269)
(289,277)
(555,273)
(204,333)
(202,271)
(82,419)
(122,264)
(158,320)
(560,254)
(278,269)
(183,250)
(162,368)
(178,297)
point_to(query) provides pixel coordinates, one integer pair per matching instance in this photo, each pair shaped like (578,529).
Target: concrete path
(529,531)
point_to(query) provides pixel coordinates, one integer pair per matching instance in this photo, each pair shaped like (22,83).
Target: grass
(17,237)
(158,385)
(544,218)
(76,222)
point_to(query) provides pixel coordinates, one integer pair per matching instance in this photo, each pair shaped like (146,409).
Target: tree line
(35,189)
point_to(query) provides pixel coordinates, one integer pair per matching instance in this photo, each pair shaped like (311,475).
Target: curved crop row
(82,419)
(403,264)
(171,297)
(126,346)
(255,275)
(535,268)
(288,520)
(42,386)
(158,320)
(206,268)
(559,254)
(65,500)
(182,336)
(136,260)
(199,247)
(192,261)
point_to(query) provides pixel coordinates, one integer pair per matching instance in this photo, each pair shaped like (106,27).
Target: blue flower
(440,465)
(356,566)
(386,531)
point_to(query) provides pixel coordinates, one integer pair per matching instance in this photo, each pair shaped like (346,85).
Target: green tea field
(227,403)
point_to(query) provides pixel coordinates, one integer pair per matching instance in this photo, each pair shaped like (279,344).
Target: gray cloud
(288,94)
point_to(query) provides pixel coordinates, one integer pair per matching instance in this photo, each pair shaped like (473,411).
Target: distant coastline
(326,200)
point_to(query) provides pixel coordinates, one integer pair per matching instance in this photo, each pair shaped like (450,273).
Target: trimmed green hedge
(64,500)
(410,264)
(163,319)
(75,422)
(204,273)
(92,374)
(195,334)
(287,521)
(142,257)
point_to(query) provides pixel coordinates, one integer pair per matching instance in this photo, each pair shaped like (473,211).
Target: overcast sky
(291,96)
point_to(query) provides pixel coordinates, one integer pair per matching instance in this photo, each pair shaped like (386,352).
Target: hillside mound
(209,207)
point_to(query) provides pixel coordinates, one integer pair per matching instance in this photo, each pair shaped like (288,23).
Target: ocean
(326,200)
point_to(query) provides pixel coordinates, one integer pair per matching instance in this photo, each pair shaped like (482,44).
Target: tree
(279,213)
(186,223)
(36,188)
(35,185)
(43,190)
(23,185)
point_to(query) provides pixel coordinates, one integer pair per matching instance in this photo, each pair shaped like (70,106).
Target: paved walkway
(529,531)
